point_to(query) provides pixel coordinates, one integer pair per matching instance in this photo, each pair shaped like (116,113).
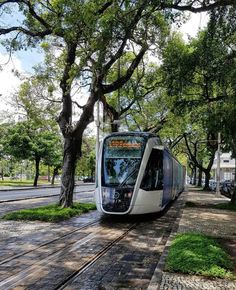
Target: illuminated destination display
(124,144)
(124,147)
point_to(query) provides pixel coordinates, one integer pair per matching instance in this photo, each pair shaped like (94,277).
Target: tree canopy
(90,38)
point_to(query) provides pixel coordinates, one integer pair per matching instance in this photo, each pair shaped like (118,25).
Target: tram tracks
(48,243)
(100,254)
(74,255)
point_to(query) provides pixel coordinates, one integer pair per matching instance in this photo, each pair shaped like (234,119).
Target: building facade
(227,167)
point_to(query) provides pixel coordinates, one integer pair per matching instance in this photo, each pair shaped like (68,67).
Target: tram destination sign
(124,146)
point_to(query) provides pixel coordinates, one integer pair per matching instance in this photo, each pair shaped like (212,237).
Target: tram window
(122,156)
(121,171)
(153,176)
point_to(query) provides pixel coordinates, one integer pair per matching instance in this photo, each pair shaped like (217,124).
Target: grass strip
(195,253)
(191,204)
(227,205)
(21,183)
(50,213)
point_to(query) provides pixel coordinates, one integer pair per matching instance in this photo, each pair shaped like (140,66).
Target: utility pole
(97,134)
(218,166)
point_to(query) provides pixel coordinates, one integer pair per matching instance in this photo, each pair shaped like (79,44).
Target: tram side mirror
(159,147)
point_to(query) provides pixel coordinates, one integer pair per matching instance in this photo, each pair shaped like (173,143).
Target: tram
(136,174)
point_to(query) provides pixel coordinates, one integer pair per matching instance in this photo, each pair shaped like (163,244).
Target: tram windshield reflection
(122,158)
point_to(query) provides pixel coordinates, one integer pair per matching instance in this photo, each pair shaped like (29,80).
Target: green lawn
(50,213)
(195,253)
(226,205)
(20,182)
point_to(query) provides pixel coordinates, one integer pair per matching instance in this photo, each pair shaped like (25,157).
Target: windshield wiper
(127,177)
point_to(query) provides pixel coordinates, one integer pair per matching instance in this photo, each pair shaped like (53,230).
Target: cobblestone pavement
(188,282)
(17,237)
(213,222)
(129,264)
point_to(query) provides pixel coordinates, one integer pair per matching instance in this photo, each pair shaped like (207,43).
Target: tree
(37,106)
(3,132)
(55,158)
(94,35)
(207,89)
(25,141)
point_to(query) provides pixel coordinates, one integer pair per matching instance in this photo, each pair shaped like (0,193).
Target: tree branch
(25,31)
(78,105)
(176,141)
(197,6)
(128,33)
(36,16)
(122,80)
(104,7)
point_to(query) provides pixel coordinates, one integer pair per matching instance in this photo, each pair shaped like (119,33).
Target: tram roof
(141,134)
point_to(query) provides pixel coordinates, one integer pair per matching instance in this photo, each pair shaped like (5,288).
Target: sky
(196,22)
(24,61)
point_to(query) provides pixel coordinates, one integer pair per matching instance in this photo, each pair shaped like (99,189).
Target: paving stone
(213,222)
(172,281)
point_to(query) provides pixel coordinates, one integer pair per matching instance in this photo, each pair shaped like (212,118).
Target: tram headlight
(129,194)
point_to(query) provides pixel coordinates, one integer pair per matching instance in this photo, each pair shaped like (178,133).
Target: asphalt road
(19,194)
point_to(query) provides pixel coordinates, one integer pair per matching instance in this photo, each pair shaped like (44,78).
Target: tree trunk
(115,125)
(207,179)
(37,161)
(199,183)
(194,175)
(55,173)
(72,152)
(233,198)
(48,173)
(68,173)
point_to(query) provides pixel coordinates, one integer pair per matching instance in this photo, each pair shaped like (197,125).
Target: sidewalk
(213,222)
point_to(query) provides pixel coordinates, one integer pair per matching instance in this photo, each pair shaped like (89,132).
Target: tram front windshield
(122,156)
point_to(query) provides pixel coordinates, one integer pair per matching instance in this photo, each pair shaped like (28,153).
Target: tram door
(167,178)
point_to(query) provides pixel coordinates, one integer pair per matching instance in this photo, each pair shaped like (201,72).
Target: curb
(156,279)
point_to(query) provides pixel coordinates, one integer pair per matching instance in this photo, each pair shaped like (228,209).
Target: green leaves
(27,141)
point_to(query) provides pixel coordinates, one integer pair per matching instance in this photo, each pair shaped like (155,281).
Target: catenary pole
(218,166)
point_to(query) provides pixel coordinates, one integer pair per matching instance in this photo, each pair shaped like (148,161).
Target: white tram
(136,174)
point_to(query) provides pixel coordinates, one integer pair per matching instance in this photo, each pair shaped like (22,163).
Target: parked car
(89,179)
(212,184)
(227,188)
